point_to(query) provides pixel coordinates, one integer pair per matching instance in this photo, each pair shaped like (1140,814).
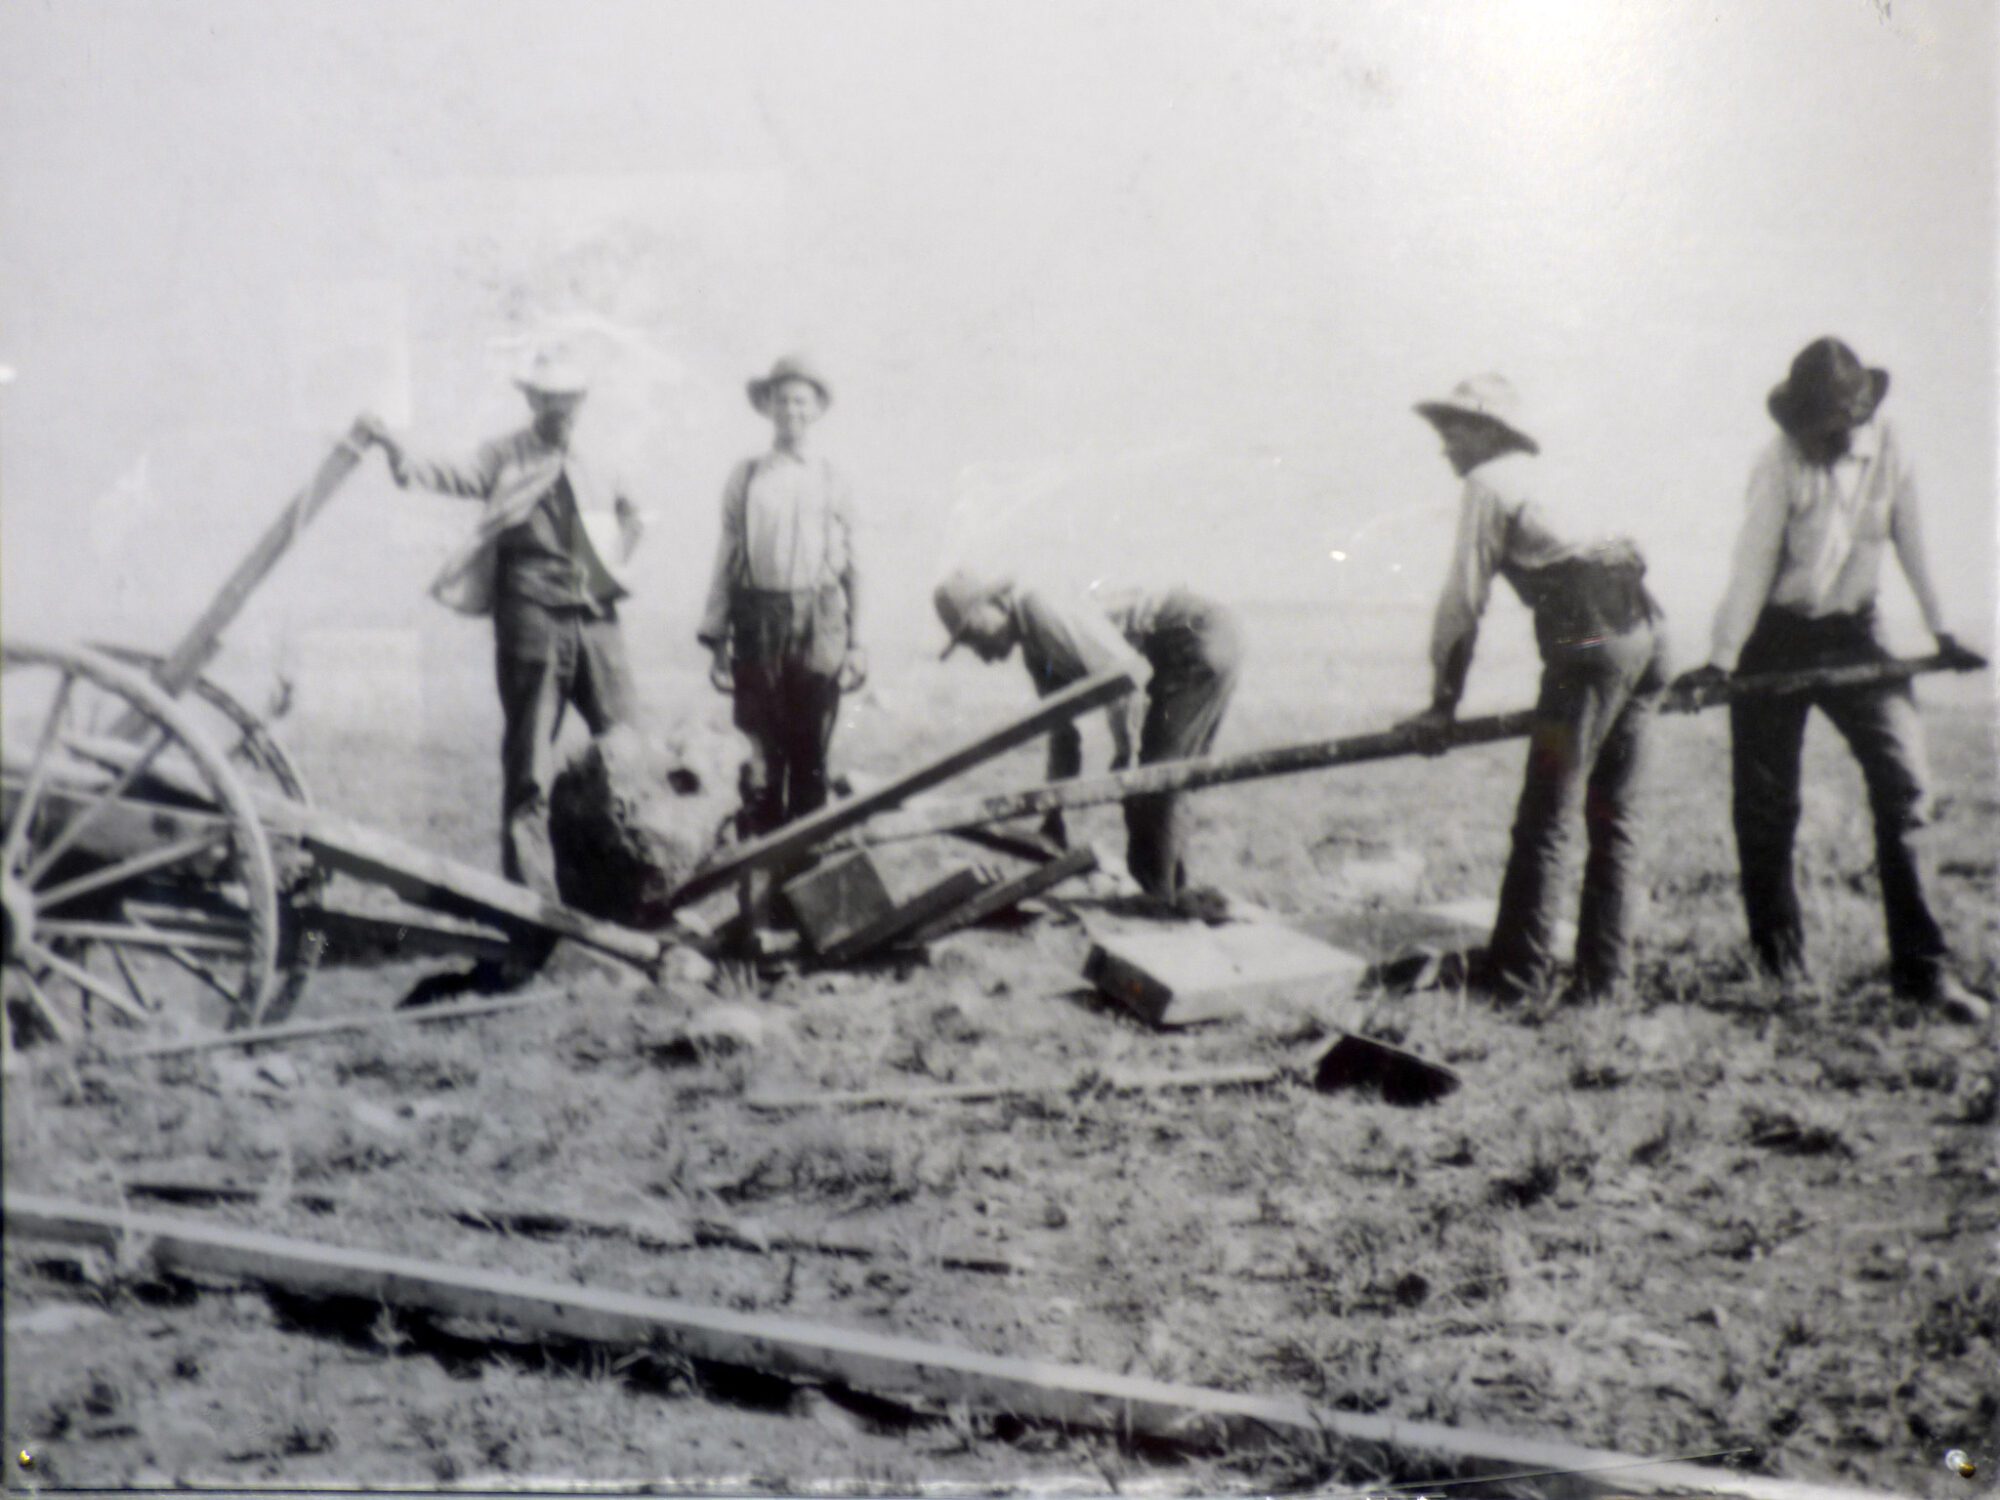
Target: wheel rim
(137,881)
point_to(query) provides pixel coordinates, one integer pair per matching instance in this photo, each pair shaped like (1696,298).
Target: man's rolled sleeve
(474,480)
(729,560)
(1759,549)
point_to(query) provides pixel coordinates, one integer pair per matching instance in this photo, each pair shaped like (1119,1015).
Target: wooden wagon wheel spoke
(85,820)
(115,935)
(131,980)
(132,869)
(83,979)
(41,1003)
(38,775)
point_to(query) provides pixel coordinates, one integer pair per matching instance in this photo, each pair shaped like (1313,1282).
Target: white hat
(1491,398)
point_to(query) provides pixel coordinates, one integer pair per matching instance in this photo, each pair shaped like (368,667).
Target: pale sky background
(1139,290)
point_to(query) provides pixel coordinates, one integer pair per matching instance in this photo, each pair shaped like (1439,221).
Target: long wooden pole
(1054,710)
(798,1349)
(1318,755)
(193,650)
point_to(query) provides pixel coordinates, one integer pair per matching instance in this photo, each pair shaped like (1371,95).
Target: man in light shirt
(541,563)
(1184,652)
(1603,670)
(780,617)
(1829,495)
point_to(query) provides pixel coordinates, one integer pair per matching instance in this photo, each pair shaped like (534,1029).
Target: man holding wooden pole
(1186,650)
(541,563)
(1603,670)
(1830,492)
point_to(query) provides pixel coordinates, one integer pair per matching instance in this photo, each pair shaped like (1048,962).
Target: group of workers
(1831,491)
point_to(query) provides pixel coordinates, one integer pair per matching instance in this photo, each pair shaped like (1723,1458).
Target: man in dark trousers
(781,611)
(540,563)
(1603,669)
(1828,496)
(1185,651)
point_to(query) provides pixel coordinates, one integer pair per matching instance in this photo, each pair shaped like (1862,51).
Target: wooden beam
(954,890)
(294,1031)
(1320,755)
(1054,710)
(1185,974)
(995,842)
(1011,893)
(837,899)
(1121,1081)
(794,1348)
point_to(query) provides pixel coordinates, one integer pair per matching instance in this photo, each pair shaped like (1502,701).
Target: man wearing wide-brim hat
(780,620)
(1184,651)
(542,563)
(1829,495)
(1604,667)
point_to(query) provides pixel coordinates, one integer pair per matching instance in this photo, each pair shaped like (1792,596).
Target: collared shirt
(1813,537)
(1064,640)
(1505,527)
(531,543)
(787,525)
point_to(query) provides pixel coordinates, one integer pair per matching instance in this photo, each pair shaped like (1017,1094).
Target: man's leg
(533,660)
(814,708)
(1765,739)
(1194,677)
(1579,701)
(1882,728)
(1613,820)
(602,686)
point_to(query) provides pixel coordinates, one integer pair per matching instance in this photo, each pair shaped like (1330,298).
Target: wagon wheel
(265,766)
(135,878)
(253,751)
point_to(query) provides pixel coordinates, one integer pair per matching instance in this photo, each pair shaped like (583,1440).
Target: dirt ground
(1689,1220)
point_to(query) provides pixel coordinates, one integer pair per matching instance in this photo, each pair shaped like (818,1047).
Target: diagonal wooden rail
(808,832)
(1319,755)
(796,1348)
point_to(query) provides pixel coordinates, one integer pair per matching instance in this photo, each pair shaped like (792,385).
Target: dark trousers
(786,655)
(546,659)
(1196,652)
(1881,727)
(1586,752)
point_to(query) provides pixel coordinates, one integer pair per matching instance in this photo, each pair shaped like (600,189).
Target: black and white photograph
(930,747)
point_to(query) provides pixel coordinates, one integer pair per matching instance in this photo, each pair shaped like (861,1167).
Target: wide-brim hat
(554,374)
(1827,380)
(791,367)
(958,596)
(1487,398)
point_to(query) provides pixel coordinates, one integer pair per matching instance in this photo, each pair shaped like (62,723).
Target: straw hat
(791,367)
(958,596)
(1490,398)
(1827,380)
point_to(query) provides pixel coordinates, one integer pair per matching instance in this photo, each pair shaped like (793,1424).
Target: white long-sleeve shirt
(1814,534)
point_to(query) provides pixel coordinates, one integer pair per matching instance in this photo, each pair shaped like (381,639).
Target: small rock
(686,969)
(58,1318)
(280,1072)
(721,1030)
(375,1116)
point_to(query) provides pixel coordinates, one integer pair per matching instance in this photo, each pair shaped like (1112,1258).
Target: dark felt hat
(1828,381)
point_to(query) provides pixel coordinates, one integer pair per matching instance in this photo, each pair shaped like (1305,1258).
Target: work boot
(1954,1002)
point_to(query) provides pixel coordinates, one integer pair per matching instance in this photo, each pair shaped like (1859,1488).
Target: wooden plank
(806,833)
(418,876)
(293,1031)
(1119,1080)
(1010,893)
(1319,755)
(837,900)
(798,1349)
(356,937)
(1177,976)
(426,879)
(994,841)
(954,890)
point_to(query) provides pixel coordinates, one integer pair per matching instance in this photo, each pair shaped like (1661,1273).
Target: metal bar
(144,937)
(38,771)
(293,1031)
(1053,711)
(129,869)
(1318,755)
(84,980)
